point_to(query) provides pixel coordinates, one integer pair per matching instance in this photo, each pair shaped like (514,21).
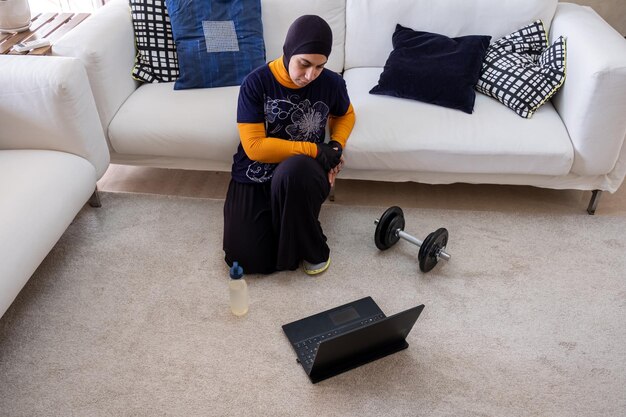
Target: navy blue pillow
(433,68)
(218,42)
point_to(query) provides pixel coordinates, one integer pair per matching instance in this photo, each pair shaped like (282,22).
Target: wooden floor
(206,184)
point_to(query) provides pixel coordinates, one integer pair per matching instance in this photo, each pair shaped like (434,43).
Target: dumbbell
(390,228)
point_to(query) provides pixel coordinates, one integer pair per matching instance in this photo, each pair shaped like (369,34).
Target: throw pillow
(218,42)
(156,59)
(433,68)
(521,71)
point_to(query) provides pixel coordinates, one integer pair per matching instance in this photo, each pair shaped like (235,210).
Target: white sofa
(574,142)
(52,152)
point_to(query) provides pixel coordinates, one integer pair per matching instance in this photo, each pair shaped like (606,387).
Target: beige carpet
(129,315)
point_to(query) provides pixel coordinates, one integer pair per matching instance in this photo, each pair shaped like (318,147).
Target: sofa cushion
(521,71)
(157,60)
(159,121)
(42,191)
(370,24)
(218,42)
(433,68)
(492,140)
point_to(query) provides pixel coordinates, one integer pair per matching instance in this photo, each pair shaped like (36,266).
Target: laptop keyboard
(306,349)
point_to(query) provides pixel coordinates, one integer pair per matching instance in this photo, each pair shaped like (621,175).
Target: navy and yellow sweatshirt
(277,119)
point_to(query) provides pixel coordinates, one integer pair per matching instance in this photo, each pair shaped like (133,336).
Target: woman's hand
(328,156)
(334,171)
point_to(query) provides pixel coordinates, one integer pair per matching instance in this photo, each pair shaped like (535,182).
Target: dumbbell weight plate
(431,246)
(391,220)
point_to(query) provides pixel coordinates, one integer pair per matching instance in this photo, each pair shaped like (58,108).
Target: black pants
(273,226)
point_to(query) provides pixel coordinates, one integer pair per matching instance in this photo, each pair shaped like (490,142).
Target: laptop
(345,337)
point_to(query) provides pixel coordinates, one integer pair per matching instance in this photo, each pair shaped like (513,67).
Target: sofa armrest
(46,104)
(592,102)
(105,42)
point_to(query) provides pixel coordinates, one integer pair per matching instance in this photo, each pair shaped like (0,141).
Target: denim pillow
(218,42)
(433,68)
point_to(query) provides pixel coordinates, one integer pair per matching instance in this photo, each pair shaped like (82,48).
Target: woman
(282,171)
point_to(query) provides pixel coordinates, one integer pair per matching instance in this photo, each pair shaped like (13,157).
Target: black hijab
(308,34)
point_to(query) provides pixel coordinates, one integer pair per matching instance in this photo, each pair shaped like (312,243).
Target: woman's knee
(300,171)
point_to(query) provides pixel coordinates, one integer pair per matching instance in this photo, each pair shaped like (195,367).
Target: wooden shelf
(51,26)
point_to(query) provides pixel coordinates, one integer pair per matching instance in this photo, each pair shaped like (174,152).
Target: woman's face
(305,68)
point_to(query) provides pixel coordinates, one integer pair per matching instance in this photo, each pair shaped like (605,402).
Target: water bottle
(238,291)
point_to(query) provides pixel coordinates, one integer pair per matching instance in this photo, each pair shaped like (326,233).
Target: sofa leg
(593,203)
(94,200)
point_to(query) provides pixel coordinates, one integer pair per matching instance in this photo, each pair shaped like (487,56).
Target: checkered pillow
(521,71)
(156,59)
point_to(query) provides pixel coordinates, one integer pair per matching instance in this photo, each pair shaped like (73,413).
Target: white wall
(613,11)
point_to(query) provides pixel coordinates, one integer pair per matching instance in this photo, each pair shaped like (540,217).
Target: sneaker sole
(317,271)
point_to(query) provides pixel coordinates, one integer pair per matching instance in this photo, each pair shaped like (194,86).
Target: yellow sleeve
(341,126)
(261,148)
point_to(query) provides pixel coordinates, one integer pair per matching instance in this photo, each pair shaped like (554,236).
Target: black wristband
(335,144)
(327,156)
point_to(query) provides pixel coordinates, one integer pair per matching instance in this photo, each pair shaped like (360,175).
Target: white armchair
(52,152)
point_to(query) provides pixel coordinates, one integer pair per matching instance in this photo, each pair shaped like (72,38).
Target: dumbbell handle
(442,253)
